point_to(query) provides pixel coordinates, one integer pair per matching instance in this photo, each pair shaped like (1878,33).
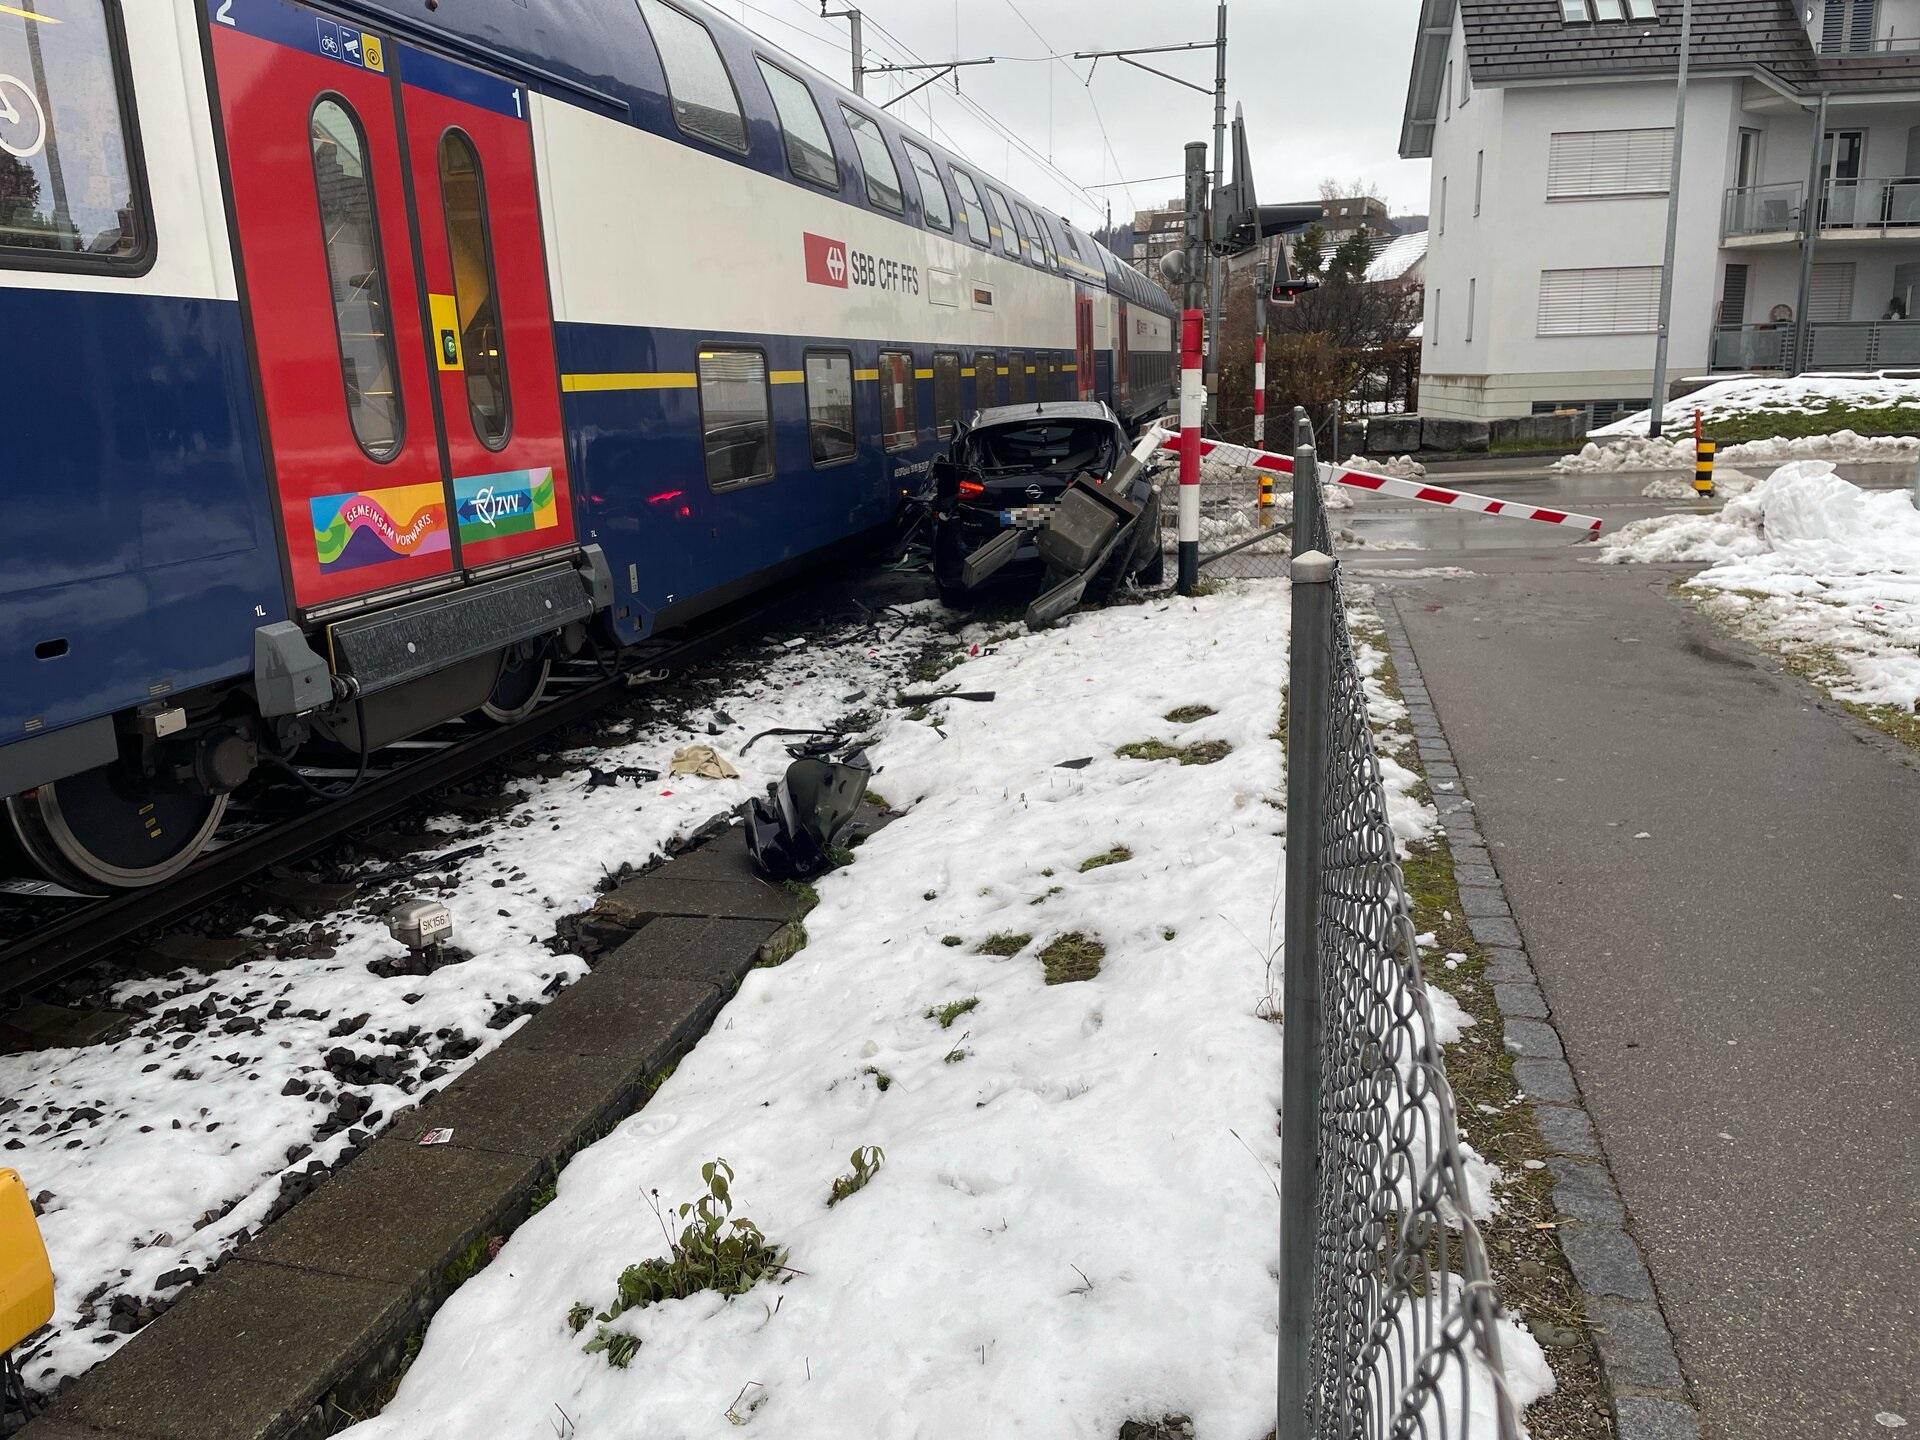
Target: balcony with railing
(1830,345)
(1854,209)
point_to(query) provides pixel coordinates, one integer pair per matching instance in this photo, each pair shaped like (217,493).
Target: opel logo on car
(1034,492)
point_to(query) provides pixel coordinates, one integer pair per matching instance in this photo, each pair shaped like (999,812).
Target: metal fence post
(1309,715)
(1306,483)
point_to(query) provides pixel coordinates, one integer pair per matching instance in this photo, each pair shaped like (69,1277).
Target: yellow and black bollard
(1266,498)
(1703,453)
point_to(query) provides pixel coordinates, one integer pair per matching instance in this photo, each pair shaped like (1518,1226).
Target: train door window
(809,151)
(876,163)
(1003,217)
(735,422)
(356,275)
(71,195)
(976,213)
(463,192)
(830,415)
(899,428)
(946,395)
(933,194)
(704,102)
(1016,377)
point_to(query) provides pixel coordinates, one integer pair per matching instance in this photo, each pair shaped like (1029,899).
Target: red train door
(1083,334)
(402,331)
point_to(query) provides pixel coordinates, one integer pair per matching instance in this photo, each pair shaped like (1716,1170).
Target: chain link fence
(1388,1314)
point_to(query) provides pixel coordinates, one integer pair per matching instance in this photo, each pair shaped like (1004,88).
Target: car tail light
(971,489)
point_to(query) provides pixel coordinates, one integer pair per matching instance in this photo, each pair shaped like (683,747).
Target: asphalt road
(1719,880)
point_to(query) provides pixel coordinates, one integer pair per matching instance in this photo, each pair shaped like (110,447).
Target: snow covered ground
(156,1155)
(1751,394)
(1074,1220)
(1843,447)
(1820,569)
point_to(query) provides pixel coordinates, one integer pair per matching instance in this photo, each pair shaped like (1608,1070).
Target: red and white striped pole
(1259,392)
(1193,409)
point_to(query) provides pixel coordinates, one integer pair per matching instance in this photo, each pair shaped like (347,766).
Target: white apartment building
(1550,127)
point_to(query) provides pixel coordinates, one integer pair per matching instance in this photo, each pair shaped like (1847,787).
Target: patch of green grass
(714,1252)
(1072,957)
(882,1081)
(955,1055)
(1206,752)
(788,941)
(1004,944)
(1168,933)
(951,1011)
(1118,855)
(543,1195)
(1052,890)
(1188,714)
(952,942)
(467,1264)
(876,800)
(866,1162)
(1831,418)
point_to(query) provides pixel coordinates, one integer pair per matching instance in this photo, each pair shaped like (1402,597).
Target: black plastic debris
(794,829)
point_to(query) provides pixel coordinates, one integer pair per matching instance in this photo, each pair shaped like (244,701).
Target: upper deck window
(1003,217)
(1029,227)
(809,152)
(70,192)
(876,163)
(976,213)
(704,102)
(933,194)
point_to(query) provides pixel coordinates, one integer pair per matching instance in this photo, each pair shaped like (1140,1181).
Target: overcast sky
(1323,87)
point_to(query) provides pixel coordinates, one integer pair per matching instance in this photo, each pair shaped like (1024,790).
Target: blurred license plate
(1026,517)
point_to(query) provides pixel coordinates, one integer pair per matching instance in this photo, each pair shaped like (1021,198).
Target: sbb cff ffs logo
(826,262)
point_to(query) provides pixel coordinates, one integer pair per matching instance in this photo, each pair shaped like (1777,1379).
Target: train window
(1030,228)
(946,395)
(1046,243)
(933,195)
(734,418)
(830,419)
(463,195)
(986,379)
(1009,235)
(876,163)
(704,101)
(809,152)
(70,192)
(356,276)
(899,427)
(976,213)
(1016,377)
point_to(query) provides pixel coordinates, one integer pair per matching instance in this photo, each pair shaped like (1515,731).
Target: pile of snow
(1755,394)
(1637,452)
(1401,467)
(1812,565)
(160,1153)
(1075,1223)
(1727,483)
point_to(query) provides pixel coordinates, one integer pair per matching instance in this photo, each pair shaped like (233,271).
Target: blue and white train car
(363,354)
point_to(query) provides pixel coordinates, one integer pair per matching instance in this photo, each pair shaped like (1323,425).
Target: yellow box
(26,1277)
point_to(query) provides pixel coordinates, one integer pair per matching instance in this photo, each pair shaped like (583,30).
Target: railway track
(48,933)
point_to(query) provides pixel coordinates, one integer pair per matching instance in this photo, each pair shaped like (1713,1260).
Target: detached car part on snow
(793,830)
(1052,490)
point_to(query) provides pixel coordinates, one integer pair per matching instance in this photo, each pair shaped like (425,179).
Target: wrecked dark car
(998,494)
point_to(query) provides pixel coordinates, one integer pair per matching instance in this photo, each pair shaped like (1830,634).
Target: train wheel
(99,831)
(523,680)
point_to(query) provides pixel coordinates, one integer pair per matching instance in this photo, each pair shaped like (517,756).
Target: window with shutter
(1733,296)
(1589,164)
(1831,299)
(1848,26)
(1624,300)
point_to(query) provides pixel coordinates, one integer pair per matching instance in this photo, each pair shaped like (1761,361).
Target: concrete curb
(302,1331)
(1637,1359)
